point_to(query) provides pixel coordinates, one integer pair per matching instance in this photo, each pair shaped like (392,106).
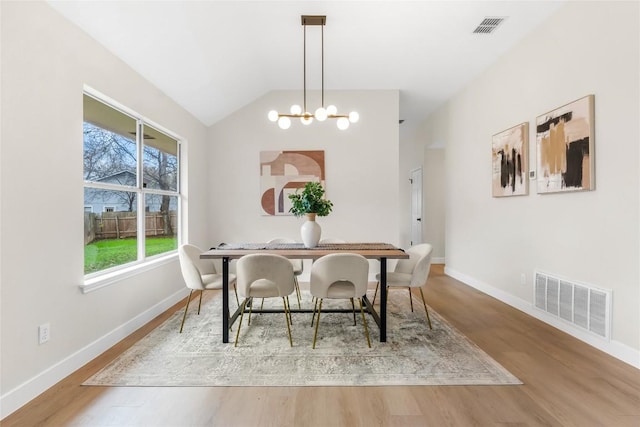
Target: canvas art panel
(282,173)
(565,148)
(510,161)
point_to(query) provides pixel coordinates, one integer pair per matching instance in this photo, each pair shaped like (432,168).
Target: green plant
(310,201)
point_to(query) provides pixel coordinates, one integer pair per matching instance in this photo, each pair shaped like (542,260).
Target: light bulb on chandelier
(284,122)
(321,114)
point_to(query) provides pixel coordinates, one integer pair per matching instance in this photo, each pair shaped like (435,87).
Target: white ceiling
(213,57)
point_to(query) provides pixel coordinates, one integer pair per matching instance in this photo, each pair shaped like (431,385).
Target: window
(130,187)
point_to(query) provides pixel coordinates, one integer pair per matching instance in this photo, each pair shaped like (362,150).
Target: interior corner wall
(361,168)
(407,163)
(45,63)
(433,205)
(429,150)
(591,236)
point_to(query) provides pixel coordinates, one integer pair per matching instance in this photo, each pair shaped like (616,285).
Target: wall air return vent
(488,24)
(584,306)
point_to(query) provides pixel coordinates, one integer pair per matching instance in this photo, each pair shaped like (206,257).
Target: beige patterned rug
(412,355)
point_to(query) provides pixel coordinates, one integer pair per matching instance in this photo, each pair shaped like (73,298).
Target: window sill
(108,279)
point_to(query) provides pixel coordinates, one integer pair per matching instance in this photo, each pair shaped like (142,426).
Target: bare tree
(107,153)
(160,170)
(109,157)
(112,157)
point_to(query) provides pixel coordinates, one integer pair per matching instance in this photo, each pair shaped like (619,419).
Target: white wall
(361,168)
(433,204)
(590,237)
(410,159)
(414,154)
(45,63)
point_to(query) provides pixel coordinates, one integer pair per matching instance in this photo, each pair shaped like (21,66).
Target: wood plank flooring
(566,383)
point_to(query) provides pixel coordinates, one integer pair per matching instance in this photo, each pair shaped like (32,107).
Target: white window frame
(106,277)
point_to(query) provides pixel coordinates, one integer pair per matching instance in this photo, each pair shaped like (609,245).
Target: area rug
(412,355)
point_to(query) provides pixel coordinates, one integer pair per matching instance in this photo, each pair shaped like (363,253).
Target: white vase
(310,231)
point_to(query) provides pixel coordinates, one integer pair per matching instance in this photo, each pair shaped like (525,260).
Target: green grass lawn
(103,254)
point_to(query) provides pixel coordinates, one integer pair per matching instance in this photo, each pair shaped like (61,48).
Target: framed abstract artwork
(565,148)
(282,173)
(510,161)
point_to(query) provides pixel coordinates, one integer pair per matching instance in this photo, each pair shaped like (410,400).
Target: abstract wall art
(510,161)
(565,148)
(282,173)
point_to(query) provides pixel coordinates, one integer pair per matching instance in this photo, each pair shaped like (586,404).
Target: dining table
(380,251)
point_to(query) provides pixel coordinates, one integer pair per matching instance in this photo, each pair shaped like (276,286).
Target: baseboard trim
(27,391)
(613,348)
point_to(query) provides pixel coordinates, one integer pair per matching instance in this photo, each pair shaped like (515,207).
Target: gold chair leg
(235,291)
(425,308)
(315,335)
(410,299)
(375,293)
(244,304)
(315,307)
(364,321)
(251,309)
(297,287)
(353,308)
(286,316)
(200,303)
(185,310)
(289,305)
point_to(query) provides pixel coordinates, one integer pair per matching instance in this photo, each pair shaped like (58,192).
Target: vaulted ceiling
(213,57)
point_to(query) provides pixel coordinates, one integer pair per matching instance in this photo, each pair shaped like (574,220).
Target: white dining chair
(264,276)
(339,276)
(411,273)
(200,275)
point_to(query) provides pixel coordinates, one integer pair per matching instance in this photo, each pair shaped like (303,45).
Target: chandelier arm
(304,66)
(322,53)
(295,116)
(329,116)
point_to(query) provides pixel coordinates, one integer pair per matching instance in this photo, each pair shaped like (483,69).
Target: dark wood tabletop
(298,251)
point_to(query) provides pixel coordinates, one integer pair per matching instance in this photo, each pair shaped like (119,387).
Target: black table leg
(383,300)
(225,299)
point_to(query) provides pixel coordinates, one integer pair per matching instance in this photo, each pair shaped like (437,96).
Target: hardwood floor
(566,383)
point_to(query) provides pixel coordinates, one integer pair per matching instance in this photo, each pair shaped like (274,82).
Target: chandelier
(300,112)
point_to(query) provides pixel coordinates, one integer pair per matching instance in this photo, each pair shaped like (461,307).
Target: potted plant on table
(310,202)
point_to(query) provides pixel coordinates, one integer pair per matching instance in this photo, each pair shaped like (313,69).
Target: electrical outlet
(43,333)
(523,279)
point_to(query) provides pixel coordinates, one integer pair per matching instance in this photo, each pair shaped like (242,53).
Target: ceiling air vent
(488,24)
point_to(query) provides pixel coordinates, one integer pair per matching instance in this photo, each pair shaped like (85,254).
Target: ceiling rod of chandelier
(321,114)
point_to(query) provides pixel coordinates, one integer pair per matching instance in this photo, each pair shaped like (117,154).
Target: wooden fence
(119,225)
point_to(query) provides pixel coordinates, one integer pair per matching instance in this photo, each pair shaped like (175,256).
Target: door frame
(415,230)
